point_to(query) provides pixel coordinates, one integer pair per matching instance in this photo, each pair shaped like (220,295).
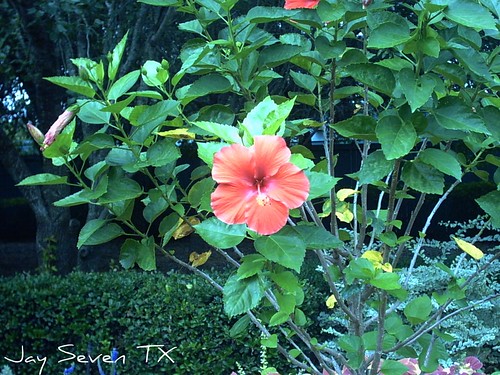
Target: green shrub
(122,310)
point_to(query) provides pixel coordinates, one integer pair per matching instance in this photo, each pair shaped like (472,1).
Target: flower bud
(35,133)
(57,127)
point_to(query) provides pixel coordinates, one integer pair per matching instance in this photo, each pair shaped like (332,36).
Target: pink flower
(257,184)
(56,128)
(412,364)
(296,4)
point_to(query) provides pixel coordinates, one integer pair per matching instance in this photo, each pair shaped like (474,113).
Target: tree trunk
(56,232)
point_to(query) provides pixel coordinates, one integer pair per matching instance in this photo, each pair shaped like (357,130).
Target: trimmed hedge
(99,311)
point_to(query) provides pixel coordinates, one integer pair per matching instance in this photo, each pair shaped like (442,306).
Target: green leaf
(360,127)
(416,90)
(370,339)
(270,342)
(418,310)
(490,203)
(122,85)
(375,76)
(251,265)
(115,57)
(422,177)
(207,84)
(91,112)
(374,168)
(241,295)
(389,35)
(305,81)
(261,14)
(141,253)
(452,113)
(285,248)
(396,136)
(240,328)
(359,268)
(43,179)
(278,54)
(428,360)
(321,183)
(278,318)
(470,13)
(163,152)
(148,119)
(75,84)
(98,231)
(120,188)
(227,133)
(386,281)
(199,194)
(317,237)
(207,150)
(219,234)
(442,161)
(391,367)
(349,343)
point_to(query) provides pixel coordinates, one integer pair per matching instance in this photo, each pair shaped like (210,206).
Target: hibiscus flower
(257,184)
(296,4)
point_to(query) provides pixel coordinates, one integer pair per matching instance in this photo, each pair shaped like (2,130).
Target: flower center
(262,198)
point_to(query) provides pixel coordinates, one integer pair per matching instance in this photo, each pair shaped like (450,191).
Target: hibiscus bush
(412,86)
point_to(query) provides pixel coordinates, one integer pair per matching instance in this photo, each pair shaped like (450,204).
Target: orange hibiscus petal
(289,186)
(296,4)
(228,202)
(234,163)
(270,153)
(266,219)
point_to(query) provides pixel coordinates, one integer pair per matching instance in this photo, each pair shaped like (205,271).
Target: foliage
(122,310)
(422,81)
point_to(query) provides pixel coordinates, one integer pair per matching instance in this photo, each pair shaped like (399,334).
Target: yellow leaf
(331,301)
(387,267)
(177,134)
(342,194)
(185,229)
(345,216)
(199,259)
(373,256)
(469,248)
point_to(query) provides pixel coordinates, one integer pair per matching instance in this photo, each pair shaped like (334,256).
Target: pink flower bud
(57,127)
(35,133)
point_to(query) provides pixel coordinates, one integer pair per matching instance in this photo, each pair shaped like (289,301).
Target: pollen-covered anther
(263,200)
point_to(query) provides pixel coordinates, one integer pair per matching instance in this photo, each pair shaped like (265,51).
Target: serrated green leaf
(442,161)
(227,133)
(360,127)
(241,295)
(219,234)
(396,136)
(375,76)
(416,90)
(490,203)
(285,248)
(422,177)
(418,309)
(75,84)
(122,85)
(374,168)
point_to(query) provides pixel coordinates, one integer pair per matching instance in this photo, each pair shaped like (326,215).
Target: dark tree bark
(54,224)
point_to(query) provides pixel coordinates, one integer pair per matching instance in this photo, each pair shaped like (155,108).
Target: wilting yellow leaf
(185,229)
(375,257)
(177,134)
(342,194)
(331,301)
(469,248)
(199,259)
(346,216)
(387,267)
